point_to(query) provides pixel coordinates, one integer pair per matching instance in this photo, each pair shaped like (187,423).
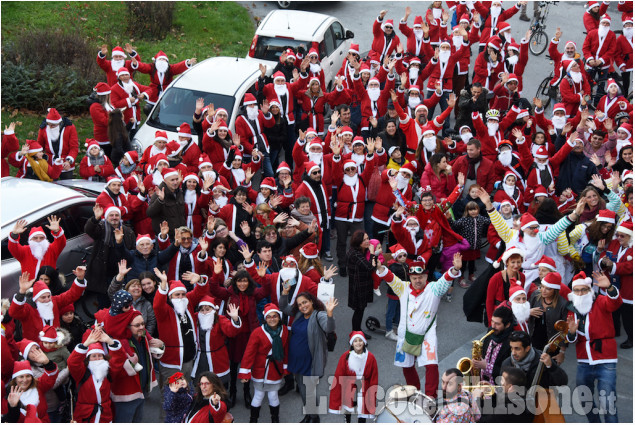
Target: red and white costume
(160,81)
(109,67)
(256,365)
(120,98)
(381,44)
(30,264)
(68,141)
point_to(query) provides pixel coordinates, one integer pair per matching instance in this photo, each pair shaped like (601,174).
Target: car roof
(297,24)
(21,197)
(215,75)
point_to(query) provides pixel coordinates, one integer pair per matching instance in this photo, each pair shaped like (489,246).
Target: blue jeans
(129,411)
(393,314)
(443,103)
(267,171)
(606,376)
(274,157)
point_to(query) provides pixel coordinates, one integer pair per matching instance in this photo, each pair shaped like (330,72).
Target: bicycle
(547,93)
(539,40)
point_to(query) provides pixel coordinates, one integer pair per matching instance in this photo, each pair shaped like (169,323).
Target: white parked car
(222,81)
(282,29)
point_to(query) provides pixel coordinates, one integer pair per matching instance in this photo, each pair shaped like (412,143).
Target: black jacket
(553,376)
(360,279)
(171,209)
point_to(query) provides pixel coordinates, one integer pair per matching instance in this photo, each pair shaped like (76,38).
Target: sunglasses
(186,239)
(417,270)
(315,173)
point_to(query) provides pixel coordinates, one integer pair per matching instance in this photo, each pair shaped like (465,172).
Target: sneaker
(377,292)
(448,298)
(464,283)
(391,336)
(328,256)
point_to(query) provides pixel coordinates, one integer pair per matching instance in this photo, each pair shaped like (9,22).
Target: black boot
(361,420)
(347,418)
(315,419)
(275,414)
(305,419)
(288,385)
(255,413)
(233,377)
(247,395)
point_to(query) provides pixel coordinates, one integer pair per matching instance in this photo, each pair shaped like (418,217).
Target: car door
(327,47)
(340,48)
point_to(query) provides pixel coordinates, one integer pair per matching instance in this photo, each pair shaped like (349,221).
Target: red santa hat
(494,43)
(413,61)
(160,135)
(142,238)
(504,26)
(387,23)
(34,146)
(90,143)
(581,280)
(527,220)
(122,71)
(409,168)
(309,250)
(268,183)
(278,75)
(192,176)
(552,280)
(626,128)
(346,130)
(606,216)
(237,152)
(131,183)
(418,23)
(272,308)
(420,106)
(397,249)
(313,52)
(208,300)
(357,334)
(290,259)
(523,113)
(365,68)
(204,160)
(354,48)
(546,262)
(541,152)
(311,130)
(464,18)
(350,163)
(176,286)
(275,102)
(515,290)
(611,82)
(160,55)
(21,368)
(24,347)
(95,348)
(220,110)
(509,173)
(40,288)
(627,18)
(169,172)
(53,117)
(66,309)
(358,140)
(512,77)
(310,166)
(111,209)
(50,334)
(514,46)
(540,190)
(505,143)
(160,157)
(250,99)
(222,125)
(283,166)
(626,227)
(184,130)
(627,174)
(373,57)
(591,4)
(559,107)
(567,64)
(605,18)
(36,231)
(131,156)
(118,51)
(411,218)
(507,254)
(291,54)
(102,89)
(445,40)
(112,179)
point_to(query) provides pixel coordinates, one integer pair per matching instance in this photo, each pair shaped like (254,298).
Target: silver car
(34,201)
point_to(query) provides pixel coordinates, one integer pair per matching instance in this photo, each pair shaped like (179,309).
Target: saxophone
(465,364)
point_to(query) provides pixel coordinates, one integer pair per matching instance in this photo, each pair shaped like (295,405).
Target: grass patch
(200,30)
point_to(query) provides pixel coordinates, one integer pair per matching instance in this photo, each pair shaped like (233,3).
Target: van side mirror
(349,34)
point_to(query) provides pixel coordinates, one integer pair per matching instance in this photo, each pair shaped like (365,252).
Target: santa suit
(32,323)
(213,149)
(519,67)
(10,145)
(570,92)
(137,206)
(489,144)
(557,57)
(100,116)
(229,215)
(120,98)
(351,199)
(386,199)
(603,50)
(286,99)
(515,198)
(193,216)
(414,46)
(552,166)
(590,22)
(304,189)
(300,157)
(342,392)
(45,383)
(377,108)
(175,262)
(24,168)
(611,106)
(623,268)
(111,74)
(168,324)
(160,81)
(210,414)
(87,170)
(235,176)
(189,157)
(30,264)
(314,106)
(490,26)
(444,73)
(93,399)
(624,54)
(414,131)
(486,72)
(126,383)
(251,132)
(381,45)
(68,142)
(214,347)
(105,200)
(256,364)
(418,313)
(416,245)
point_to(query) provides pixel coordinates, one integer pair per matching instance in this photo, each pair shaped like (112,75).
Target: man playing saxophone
(496,346)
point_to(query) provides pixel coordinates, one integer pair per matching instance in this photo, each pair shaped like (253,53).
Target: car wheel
(284,4)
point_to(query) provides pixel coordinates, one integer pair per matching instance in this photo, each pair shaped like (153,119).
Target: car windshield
(177,104)
(270,48)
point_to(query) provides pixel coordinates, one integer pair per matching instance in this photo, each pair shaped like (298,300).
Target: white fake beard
(162,66)
(221,201)
(38,249)
(413,73)
(128,87)
(444,56)
(357,363)
(576,76)
(558,122)
(351,180)
(209,174)
(602,30)
(418,34)
(180,305)
(466,137)
(157,178)
(430,143)
(53,133)
(582,303)
(280,89)
(206,320)
(45,310)
(521,311)
(239,175)
(358,158)
(154,150)
(457,40)
(190,196)
(315,157)
(252,113)
(315,67)
(99,369)
(492,128)
(505,157)
(115,65)
(30,396)
(495,11)
(413,102)
(509,189)
(287,273)
(436,12)
(373,94)
(541,166)
(512,60)
(628,33)
(413,230)
(402,182)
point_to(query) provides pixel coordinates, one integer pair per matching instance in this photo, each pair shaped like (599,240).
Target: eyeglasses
(388,27)
(138,325)
(204,384)
(315,173)
(349,170)
(186,239)
(417,270)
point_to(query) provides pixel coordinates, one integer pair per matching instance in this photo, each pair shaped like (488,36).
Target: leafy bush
(149,19)
(48,68)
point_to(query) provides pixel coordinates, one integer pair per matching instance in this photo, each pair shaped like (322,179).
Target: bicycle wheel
(538,42)
(543,92)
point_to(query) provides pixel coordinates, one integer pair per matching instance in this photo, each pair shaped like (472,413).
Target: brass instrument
(488,389)
(465,364)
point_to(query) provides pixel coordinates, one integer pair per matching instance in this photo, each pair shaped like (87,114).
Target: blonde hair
(305,263)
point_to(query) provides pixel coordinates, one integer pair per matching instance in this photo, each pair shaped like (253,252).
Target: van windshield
(176,106)
(270,48)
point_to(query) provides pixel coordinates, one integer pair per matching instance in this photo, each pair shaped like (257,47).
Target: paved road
(454,333)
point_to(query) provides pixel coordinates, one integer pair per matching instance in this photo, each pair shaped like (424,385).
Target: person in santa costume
(599,48)
(414,35)
(39,252)
(32,163)
(545,266)
(489,63)
(590,328)
(356,364)
(217,142)
(417,337)
(574,86)
(393,183)
(126,95)
(374,100)
(237,210)
(250,125)
(613,101)
(236,171)
(95,166)
(110,67)
(196,194)
(113,195)
(127,166)
(494,15)
(33,389)
(309,147)
(314,187)
(590,238)
(265,362)
(209,403)
(100,114)
(58,137)
(314,101)
(159,146)
(385,40)
(623,54)
(161,74)
(617,262)
(10,145)
(519,305)
(498,289)
(188,152)
(89,366)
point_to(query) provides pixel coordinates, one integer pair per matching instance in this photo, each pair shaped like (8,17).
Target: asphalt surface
(454,333)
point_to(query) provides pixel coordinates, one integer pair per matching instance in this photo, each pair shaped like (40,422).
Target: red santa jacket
(68,146)
(486,72)
(304,189)
(93,404)
(445,74)
(463,64)
(158,83)
(175,262)
(351,200)
(612,106)
(87,171)
(137,206)
(381,105)
(595,339)
(32,323)
(624,54)
(416,246)
(437,27)
(414,131)
(126,383)
(250,133)
(413,46)
(22,164)
(168,324)
(557,58)
(210,414)
(553,164)
(105,200)
(381,45)
(314,107)
(490,26)
(386,199)
(213,149)
(292,88)
(10,145)
(484,173)
(342,392)
(99,115)
(32,414)
(111,74)
(623,268)
(30,264)
(603,51)
(189,157)
(489,144)
(214,346)
(121,99)
(256,364)
(592,23)
(495,293)
(300,157)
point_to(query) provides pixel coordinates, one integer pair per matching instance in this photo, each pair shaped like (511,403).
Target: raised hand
(123,269)
(13,398)
(232,311)
(247,207)
(484,197)
(304,64)
(313,226)
(602,281)
(244,226)
(517,133)
(594,159)
(24,283)
(370,145)
(249,173)
(598,182)
(537,103)
(573,325)
(215,398)
(160,193)
(558,33)
(263,69)
(218,267)
(400,211)
(393,95)
(165,228)
(460,179)
(163,277)
(119,235)
(213,206)
(20,227)
(293,222)
(330,306)
(281,218)
(457,261)
(246,253)
(609,125)
(265,107)
(192,277)
(262,269)
(330,272)
(451,100)
(11,128)
(80,272)
(104,49)
(202,242)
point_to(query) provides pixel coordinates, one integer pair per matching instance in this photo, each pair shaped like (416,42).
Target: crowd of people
(210,260)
